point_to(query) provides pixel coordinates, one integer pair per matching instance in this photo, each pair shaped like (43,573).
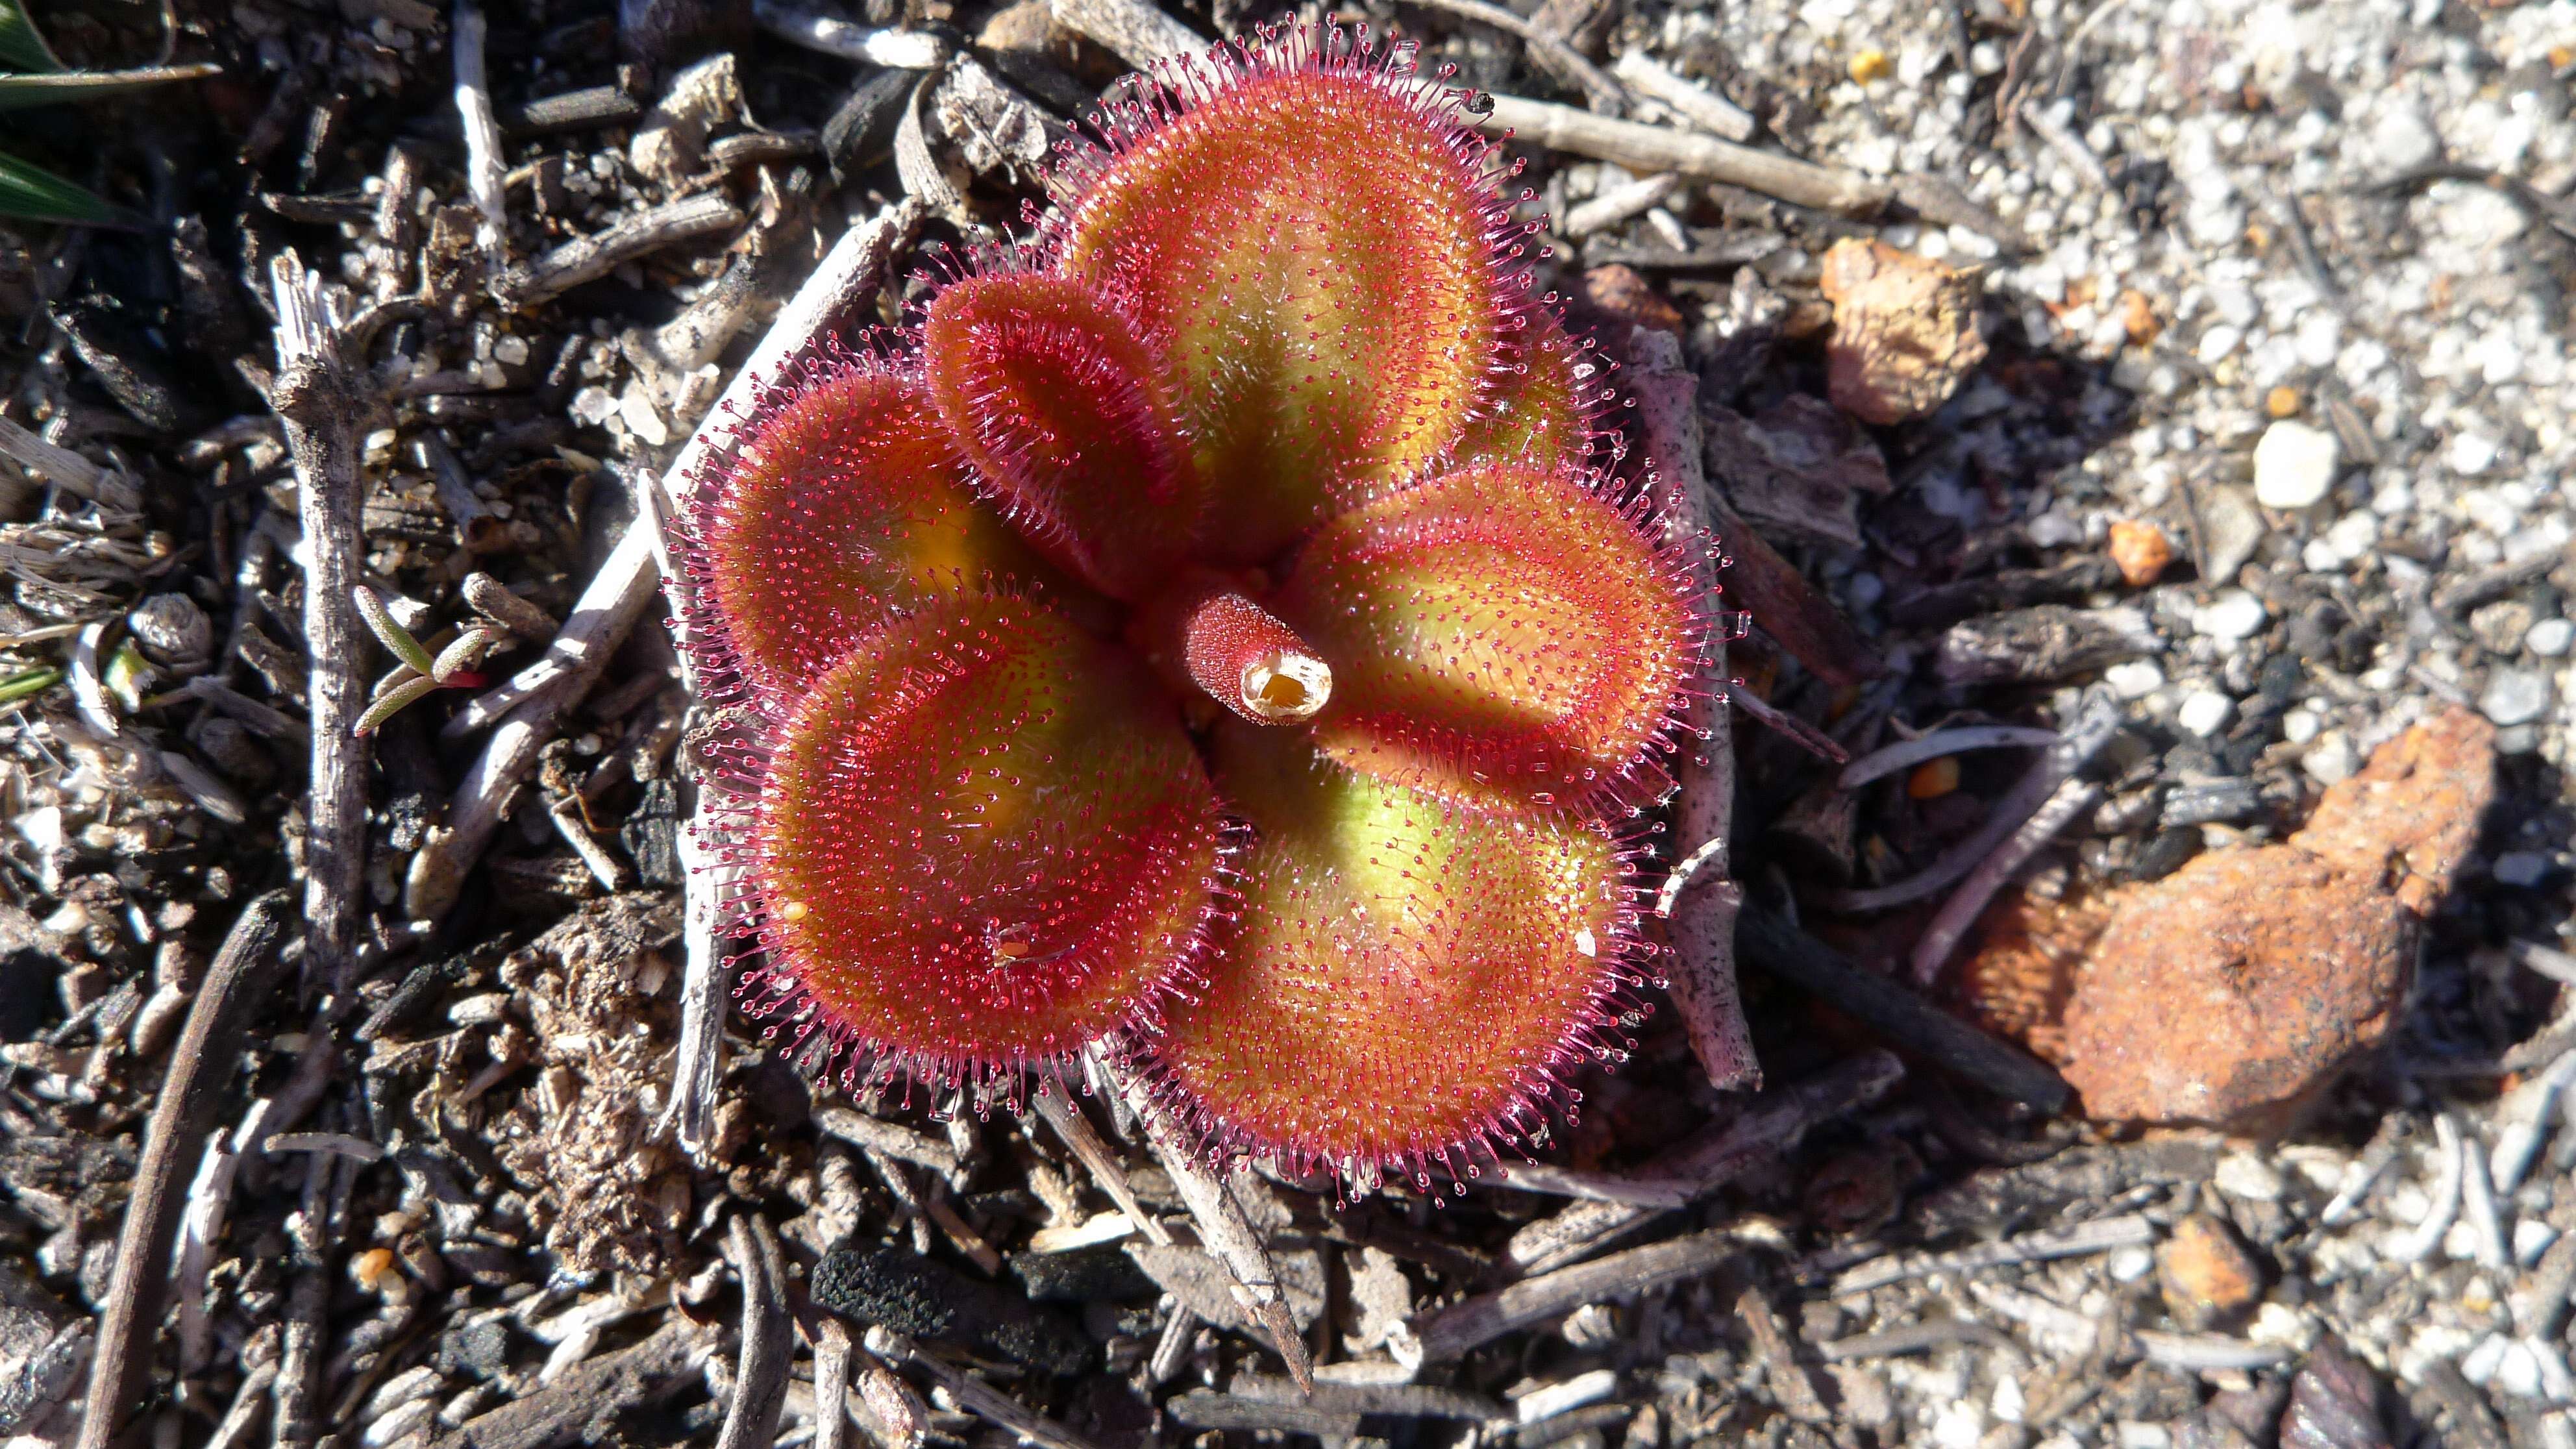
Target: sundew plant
(1213,632)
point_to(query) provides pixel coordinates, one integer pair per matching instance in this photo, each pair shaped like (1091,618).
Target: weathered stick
(2100,1235)
(201,1068)
(1065,1115)
(2071,799)
(1223,1229)
(483,168)
(1136,33)
(1647,149)
(320,400)
(600,621)
(589,258)
(976,1396)
(760,1378)
(649,1372)
(1549,51)
(1905,1018)
(1450,1332)
(1773,1124)
(1701,898)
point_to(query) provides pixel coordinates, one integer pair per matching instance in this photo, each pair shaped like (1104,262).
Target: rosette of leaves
(1209,631)
(31,75)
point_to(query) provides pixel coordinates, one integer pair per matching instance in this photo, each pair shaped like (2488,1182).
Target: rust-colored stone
(2141,550)
(2207,1276)
(2410,816)
(2235,989)
(2231,990)
(1905,331)
(1624,292)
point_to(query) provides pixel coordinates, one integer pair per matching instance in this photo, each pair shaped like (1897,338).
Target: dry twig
(1550,51)
(1647,149)
(589,258)
(483,168)
(1223,1229)
(1450,1332)
(201,1068)
(320,399)
(1701,898)
(760,1378)
(1904,1017)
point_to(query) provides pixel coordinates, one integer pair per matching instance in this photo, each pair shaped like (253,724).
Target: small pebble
(2244,1175)
(2294,465)
(2233,615)
(2521,869)
(1960,1426)
(2205,712)
(2531,1238)
(1933,778)
(2282,402)
(2141,550)
(2515,696)
(1870,65)
(2280,1324)
(2134,679)
(2128,1265)
(2518,1372)
(2205,1273)
(2479,1364)
(2329,759)
(593,405)
(2550,638)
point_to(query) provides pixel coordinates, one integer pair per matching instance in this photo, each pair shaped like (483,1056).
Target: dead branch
(1709,1160)
(591,1393)
(1886,1006)
(1647,149)
(1450,1332)
(201,1069)
(1139,34)
(600,621)
(483,168)
(760,1377)
(976,1396)
(1065,1115)
(1701,898)
(589,258)
(1549,51)
(320,399)
(1223,1229)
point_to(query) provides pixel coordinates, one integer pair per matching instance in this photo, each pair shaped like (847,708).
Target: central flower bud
(1251,663)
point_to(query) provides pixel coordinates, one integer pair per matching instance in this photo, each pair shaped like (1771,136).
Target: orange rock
(1933,778)
(1624,293)
(2207,1276)
(2232,990)
(1905,331)
(2235,989)
(2282,402)
(2409,817)
(2141,550)
(2138,317)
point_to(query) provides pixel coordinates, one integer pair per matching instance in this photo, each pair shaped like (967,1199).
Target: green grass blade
(32,193)
(17,92)
(21,48)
